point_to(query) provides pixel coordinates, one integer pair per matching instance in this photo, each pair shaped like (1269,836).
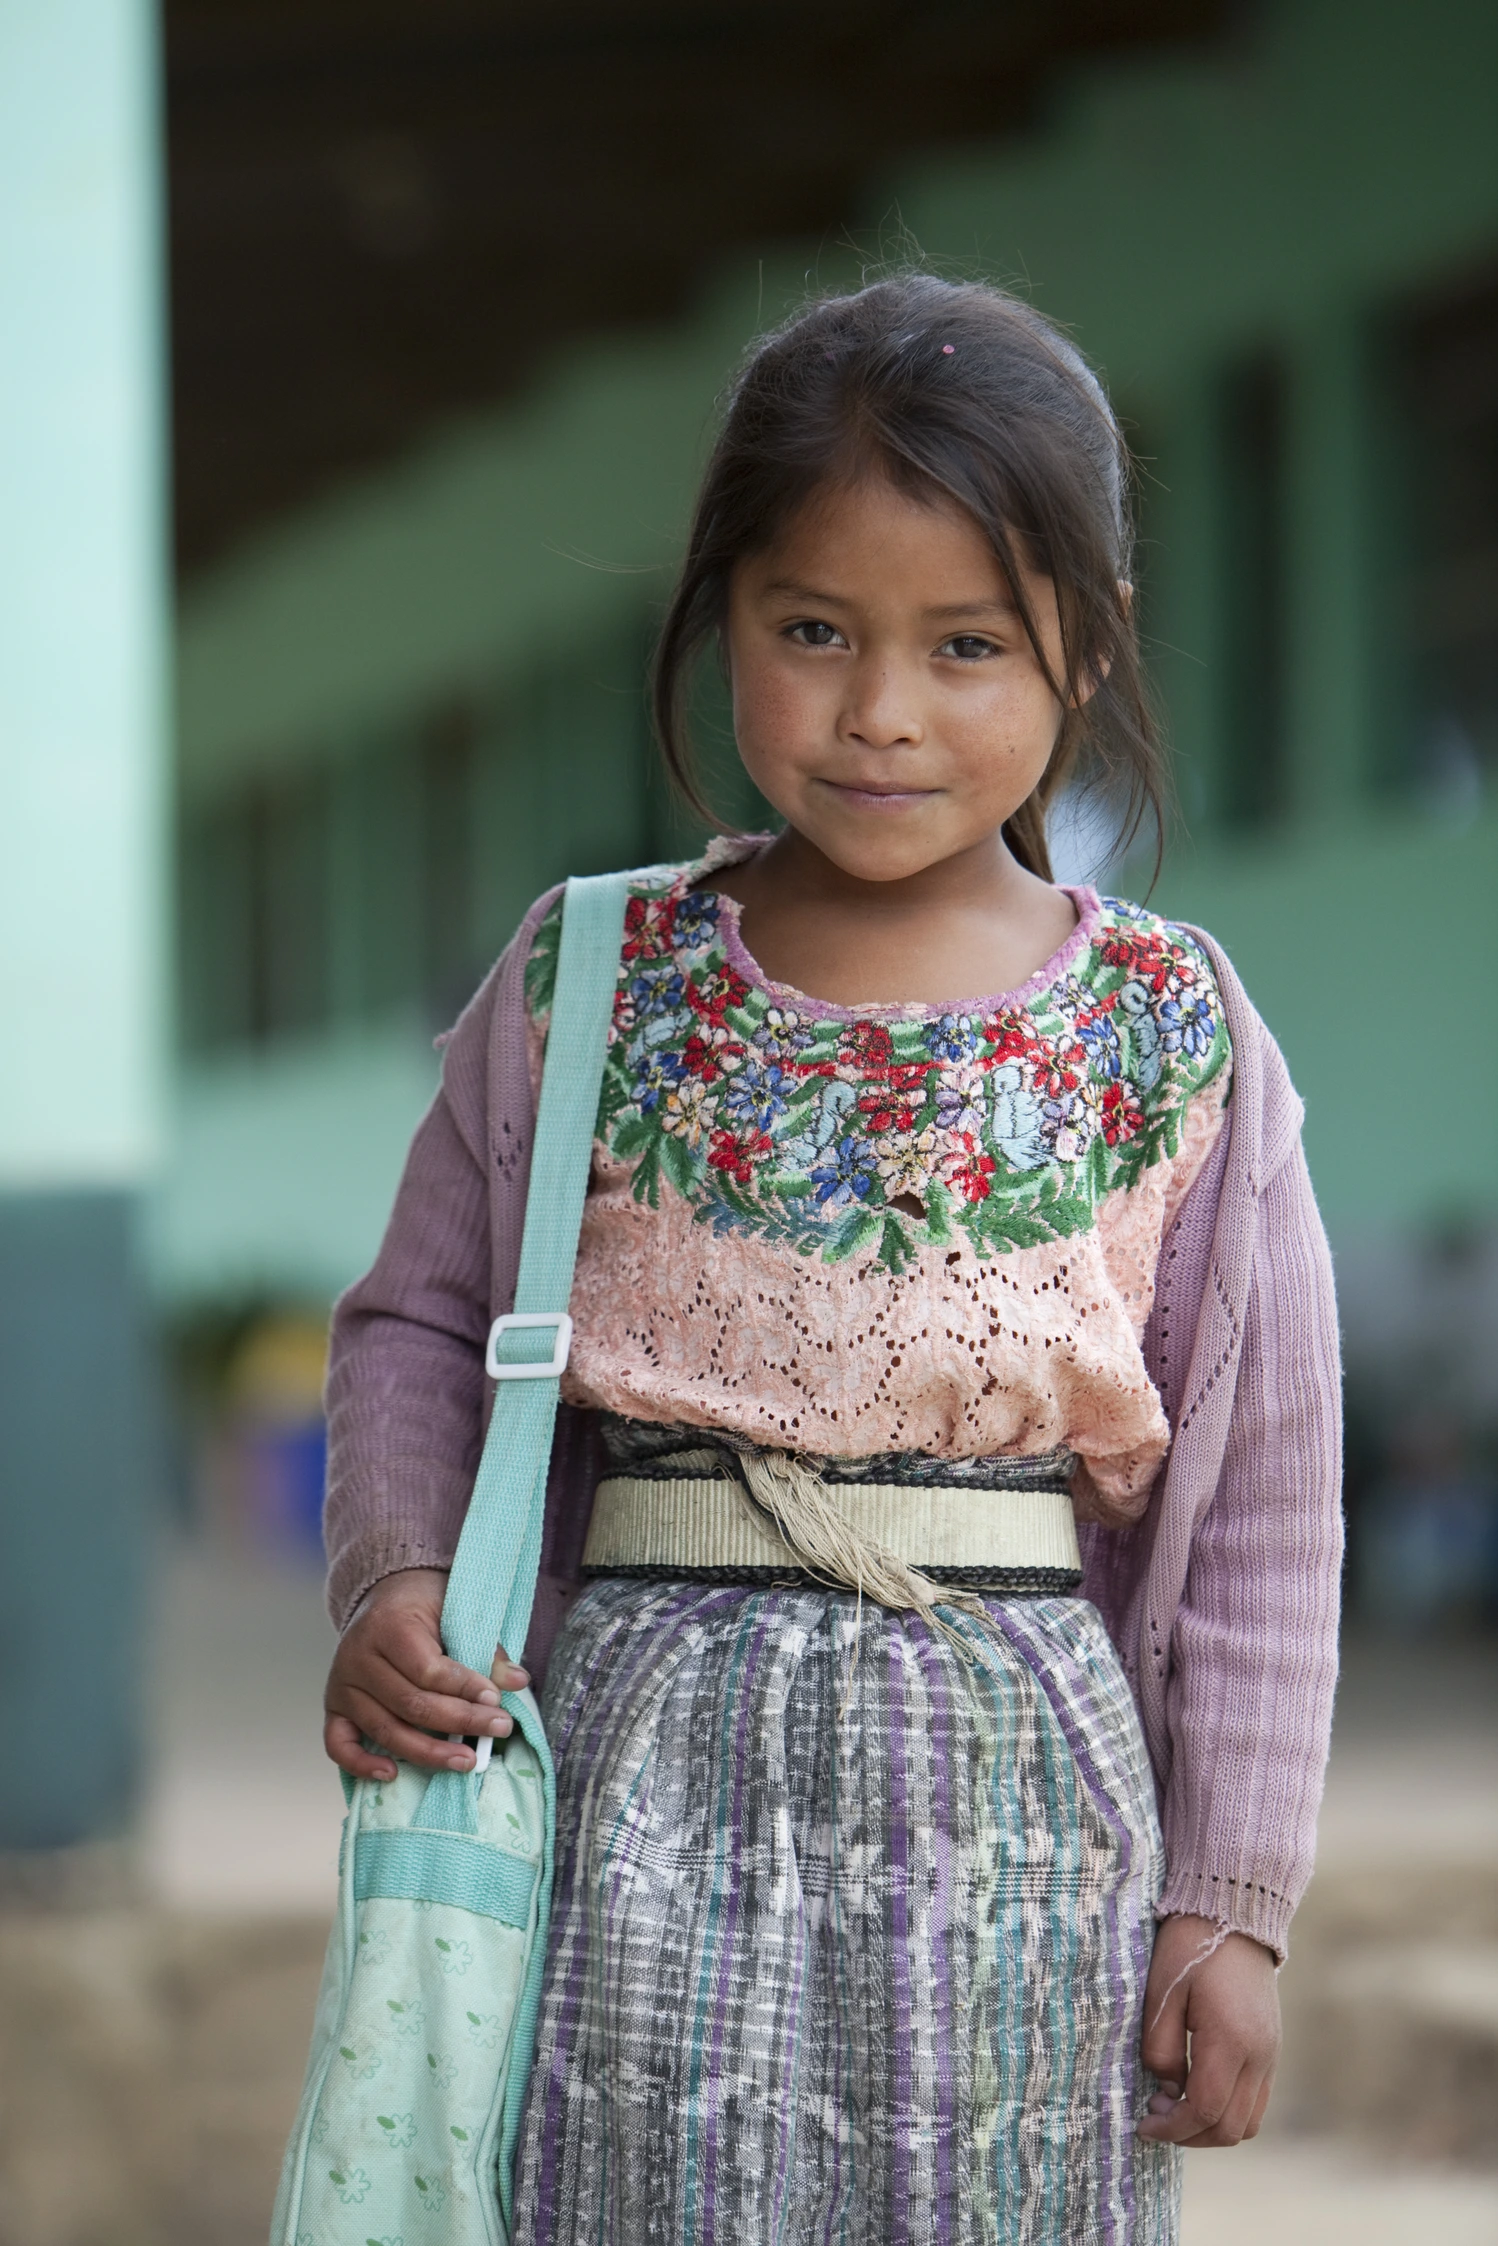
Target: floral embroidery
(842,1136)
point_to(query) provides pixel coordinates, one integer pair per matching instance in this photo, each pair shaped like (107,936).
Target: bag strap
(492,1586)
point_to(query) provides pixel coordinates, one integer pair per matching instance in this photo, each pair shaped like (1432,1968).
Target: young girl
(946,1497)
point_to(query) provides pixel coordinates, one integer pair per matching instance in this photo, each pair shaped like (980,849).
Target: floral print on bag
(878,1131)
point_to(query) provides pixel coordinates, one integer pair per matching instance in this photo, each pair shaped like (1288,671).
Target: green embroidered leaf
(345,2053)
(680,1166)
(390,2003)
(742,1203)
(647,1178)
(633,1136)
(541,967)
(1097,1167)
(1020,1230)
(938,1214)
(895,1251)
(454,2131)
(856,1231)
(613,1098)
(384,2121)
(473,2016)
(446,1947)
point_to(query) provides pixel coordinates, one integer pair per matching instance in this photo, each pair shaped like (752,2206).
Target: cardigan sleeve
(405,1391)
(1253,1666)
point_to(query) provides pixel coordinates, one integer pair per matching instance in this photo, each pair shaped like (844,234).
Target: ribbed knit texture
(1222,1599)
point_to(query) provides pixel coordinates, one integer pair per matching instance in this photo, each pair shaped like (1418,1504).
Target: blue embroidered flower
(954,1038)
(695,920)
(848,1176)
(783,1034)
(1100,1038)
(656,990)
(658,1072)
(1187,1025)
(757,1095)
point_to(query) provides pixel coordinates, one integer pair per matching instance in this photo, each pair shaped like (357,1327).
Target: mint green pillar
(83,609)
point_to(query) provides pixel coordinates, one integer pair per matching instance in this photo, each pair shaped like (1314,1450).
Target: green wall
(1285,193)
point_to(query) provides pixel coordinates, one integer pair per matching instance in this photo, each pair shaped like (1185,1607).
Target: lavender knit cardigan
(1222,1599)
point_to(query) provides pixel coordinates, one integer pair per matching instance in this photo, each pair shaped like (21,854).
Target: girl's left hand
(1228,2002)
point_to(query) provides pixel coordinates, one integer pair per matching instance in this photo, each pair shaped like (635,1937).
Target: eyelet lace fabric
(848,1231)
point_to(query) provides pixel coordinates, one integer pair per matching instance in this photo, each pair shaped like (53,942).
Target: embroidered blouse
(858,1229)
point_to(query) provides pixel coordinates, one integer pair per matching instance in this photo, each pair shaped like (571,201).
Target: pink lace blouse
(849,1230)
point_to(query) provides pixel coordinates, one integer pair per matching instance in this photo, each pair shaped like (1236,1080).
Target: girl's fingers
(431,1711)
(343,1745)
(1164,2042)
(1163,2045)
(1193,2123)
(407,1744)
(410,1645)
(1261,2102)
(1195,2119)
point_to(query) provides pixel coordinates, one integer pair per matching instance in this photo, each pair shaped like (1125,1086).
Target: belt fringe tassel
(784,1490)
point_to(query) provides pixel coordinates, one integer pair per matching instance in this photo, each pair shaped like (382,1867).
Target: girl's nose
(883,711)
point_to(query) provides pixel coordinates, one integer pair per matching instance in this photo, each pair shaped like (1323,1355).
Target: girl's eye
(809,633)
(968,647)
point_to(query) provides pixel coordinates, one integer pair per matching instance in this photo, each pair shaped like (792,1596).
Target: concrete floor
(240,1843)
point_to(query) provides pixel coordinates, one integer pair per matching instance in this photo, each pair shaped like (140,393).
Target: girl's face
(886,698)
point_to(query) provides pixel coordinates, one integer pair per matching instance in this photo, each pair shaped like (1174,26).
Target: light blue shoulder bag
(426,2020)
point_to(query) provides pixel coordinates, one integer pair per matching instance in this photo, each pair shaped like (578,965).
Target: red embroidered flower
(867,1046)
(1011,1038)
(886,1113)
(714,994)
(737,1156)
(910,1077)
(1062,1072)
(642,929)
(969,1170)
(702,1059)
(1144,958)
(1122,1114)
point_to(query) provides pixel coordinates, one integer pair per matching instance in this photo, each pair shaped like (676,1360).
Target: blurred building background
(452,289)
(452,303)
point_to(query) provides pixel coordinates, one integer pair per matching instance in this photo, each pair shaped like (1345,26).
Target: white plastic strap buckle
(514,1321)
(482,1745)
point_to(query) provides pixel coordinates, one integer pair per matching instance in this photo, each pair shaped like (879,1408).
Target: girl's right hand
(392,1682)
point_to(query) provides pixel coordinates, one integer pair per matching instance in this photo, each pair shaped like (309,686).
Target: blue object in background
(287,1467)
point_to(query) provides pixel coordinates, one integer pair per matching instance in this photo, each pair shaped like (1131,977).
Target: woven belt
(1008,1540)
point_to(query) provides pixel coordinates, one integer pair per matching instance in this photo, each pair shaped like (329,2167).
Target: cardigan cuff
(360,1566)
(1247,1906)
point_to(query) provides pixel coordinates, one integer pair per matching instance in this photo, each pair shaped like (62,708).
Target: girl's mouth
(879,799)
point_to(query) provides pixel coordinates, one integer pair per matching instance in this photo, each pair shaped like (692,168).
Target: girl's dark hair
(951,390)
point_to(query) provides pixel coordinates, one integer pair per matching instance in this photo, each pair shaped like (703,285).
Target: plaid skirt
(850,1931)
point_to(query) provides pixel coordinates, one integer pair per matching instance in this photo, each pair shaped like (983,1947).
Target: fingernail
(518,1677)
(460,1762)
(488,1698)
(499,1725)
